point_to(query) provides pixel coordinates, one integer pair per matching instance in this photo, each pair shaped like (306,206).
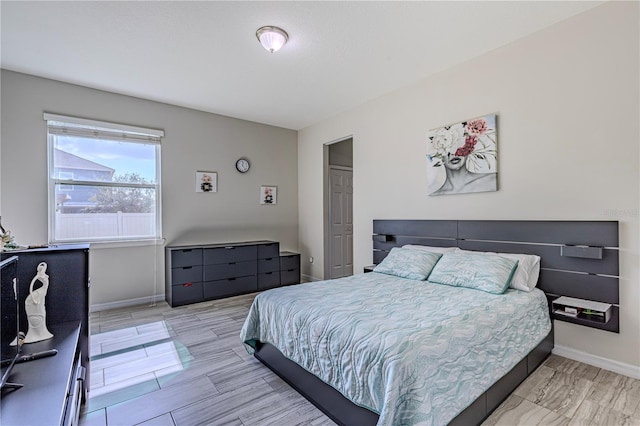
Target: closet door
(341,220)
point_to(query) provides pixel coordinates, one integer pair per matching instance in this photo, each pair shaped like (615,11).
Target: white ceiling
(205,55)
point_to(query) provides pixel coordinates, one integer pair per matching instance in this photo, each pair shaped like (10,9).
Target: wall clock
(242,165)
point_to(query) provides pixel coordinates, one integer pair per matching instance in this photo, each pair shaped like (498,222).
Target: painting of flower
(268,195)
(462,157)
(206,182)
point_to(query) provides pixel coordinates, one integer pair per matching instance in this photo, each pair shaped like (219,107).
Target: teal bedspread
(416,353)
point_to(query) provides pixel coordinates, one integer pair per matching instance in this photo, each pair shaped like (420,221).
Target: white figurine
(34,307)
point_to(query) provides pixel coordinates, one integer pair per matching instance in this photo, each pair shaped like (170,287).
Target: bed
(383,349)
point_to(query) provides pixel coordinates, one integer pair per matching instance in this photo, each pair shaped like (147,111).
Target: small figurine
(35,309)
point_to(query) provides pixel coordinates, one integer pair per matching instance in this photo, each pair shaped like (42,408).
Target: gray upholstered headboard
(578,258)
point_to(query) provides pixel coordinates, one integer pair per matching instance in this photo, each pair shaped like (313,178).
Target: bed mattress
(415,352)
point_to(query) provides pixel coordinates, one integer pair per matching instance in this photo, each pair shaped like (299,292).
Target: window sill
(98,245)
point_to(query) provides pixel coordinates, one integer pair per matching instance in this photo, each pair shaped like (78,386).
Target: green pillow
(481,271)
(407,263)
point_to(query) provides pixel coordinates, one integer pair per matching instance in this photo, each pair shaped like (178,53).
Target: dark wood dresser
(54,387)
(195,273)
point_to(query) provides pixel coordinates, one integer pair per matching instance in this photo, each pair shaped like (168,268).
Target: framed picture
(206,182)
(268,194)
(463,157)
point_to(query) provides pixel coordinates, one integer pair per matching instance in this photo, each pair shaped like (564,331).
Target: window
(66,176)
(104,181)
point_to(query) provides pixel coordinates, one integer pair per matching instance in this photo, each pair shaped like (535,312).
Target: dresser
(289,268)
(203,272)
(54,387)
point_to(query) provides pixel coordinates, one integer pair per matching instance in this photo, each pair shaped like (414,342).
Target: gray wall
(567,100)
(194,141)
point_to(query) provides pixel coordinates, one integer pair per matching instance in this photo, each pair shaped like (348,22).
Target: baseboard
(125,303)
(630,370)
(309,278)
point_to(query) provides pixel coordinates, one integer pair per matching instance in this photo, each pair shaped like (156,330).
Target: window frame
(101,130)
(71,187)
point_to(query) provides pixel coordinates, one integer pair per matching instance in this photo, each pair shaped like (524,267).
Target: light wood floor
(186,366)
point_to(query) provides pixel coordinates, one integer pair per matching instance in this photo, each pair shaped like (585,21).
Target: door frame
(326,193)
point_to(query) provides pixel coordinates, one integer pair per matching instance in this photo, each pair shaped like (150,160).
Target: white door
(341,222)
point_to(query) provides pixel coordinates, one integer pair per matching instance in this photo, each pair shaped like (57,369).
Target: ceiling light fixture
(272,38)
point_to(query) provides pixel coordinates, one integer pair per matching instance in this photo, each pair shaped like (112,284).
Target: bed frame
(578,259)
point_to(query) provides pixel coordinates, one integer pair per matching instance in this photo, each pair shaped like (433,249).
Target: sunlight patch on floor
(133,358)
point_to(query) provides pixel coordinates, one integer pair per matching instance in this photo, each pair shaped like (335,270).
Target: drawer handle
(268,273)
(232,263)
(290,270)
(187,267)
(231,279)
(229,248)
(269,258)
(187,284)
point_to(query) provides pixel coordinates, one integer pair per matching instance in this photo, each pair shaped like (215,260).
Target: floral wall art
(206,182)
(462,157)
(268,195)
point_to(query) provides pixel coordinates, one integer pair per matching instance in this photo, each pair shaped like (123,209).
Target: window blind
(81,127)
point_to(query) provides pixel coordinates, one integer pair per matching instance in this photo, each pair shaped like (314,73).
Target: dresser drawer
(290,261)
(186,257)
(290,276)
(268,250)
(231,286)
(186,274)
(268,280)
(268,265)
(229,254)
(186,293)
(230,270)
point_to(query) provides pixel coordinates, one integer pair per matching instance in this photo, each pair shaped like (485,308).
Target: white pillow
(430,248)
(527,273)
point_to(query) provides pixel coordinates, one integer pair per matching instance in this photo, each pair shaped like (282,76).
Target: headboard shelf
(584,252)
(579,259)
